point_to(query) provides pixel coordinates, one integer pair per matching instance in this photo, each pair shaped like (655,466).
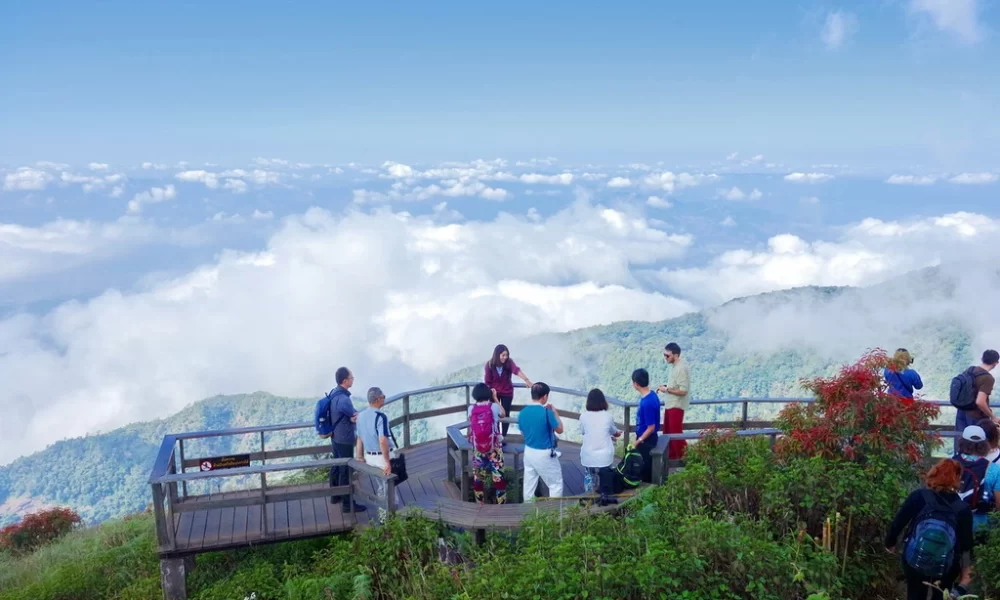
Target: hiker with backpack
(938,544)
(335,417)
(597,451)
(499,369)
(992,438)
(970,392)
(980,477)
(484,435)
(539,423)
(901,378)
(376,445)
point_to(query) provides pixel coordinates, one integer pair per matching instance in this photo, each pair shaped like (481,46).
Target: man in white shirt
(374,444)
(677,400)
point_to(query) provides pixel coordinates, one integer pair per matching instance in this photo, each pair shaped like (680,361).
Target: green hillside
(104,476)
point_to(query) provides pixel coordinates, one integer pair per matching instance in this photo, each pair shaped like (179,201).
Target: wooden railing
(170,474)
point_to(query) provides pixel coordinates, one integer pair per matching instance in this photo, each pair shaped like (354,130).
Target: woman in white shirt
(599,433)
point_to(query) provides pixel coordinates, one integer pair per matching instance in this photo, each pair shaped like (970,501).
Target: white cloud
(811,200)
(560,179)
(238,186)
(839,27)
(974,178)
(211,180)
(152,196)
(911,180)
(422,301)
(30,252)
(398,171)
(728,222)
(26,179)
(658,202)
(669,182)
(733,193)
(259,215)
(808,177)
(494,194)
(957,17)
(98,166)
(53,166)
(270,162)
(733,156)
(756,194)
(154,166)
(620,182)
(870,251)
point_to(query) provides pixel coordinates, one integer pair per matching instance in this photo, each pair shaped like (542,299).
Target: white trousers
(540,463)
(377,460)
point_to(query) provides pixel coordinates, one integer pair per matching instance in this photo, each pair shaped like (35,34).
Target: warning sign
(224,462)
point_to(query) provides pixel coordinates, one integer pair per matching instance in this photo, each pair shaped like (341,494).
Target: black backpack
(630,469)
(963,389)
(972,492)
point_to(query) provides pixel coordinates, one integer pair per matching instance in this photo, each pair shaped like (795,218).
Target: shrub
(38,529)
(853,417)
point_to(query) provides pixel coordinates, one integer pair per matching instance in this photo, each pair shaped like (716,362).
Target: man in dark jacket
(343,417)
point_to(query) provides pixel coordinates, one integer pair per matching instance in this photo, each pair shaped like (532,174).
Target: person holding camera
(901,378)
(539,423)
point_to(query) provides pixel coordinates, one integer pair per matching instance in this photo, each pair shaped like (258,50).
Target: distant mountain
(105,475)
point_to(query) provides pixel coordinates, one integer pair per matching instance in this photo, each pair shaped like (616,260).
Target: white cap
(974,433)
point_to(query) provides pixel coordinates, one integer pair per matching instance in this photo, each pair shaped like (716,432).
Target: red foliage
(37,529)
(854,417)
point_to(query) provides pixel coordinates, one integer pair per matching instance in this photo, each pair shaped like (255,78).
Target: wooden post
(184,485)
(263,507)
(406,421)
(159,517)
(390,497)
(466,484)
(263,459)
(468,397)
(745,410)
(173,578)
(449,446)
(628,426)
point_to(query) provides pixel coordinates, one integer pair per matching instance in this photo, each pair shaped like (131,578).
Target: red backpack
(481,431)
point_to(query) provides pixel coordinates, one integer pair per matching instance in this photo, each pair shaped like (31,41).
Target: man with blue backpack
(335,417)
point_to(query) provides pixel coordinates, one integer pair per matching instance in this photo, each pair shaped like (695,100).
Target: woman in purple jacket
(499,370)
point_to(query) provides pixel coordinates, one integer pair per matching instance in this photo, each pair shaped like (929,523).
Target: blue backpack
(322,418)
(930,546)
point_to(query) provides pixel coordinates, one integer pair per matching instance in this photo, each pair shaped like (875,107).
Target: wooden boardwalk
(427,490)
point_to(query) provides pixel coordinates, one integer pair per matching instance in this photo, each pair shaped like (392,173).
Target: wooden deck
(427,491)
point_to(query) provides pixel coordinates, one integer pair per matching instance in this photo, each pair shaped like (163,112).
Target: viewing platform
(259,506)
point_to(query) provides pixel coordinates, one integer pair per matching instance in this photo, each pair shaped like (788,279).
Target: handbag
(397,463)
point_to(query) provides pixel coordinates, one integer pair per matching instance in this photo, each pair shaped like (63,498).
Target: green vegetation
(803,521)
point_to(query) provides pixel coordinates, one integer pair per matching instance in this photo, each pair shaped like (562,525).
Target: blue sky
(205,198)
(892,83)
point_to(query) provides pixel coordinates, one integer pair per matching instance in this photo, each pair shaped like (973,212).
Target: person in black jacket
(943,482)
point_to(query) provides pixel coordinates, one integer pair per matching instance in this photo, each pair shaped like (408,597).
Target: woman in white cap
(980,477)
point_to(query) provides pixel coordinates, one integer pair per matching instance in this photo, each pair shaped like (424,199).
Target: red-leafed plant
(855,418)
(37,529)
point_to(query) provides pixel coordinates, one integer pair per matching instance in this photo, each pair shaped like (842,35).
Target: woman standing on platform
(499,370)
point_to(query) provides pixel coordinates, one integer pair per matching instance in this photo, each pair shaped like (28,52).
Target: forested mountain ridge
(105,475)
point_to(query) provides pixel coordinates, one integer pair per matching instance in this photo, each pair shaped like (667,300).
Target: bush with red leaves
(855,418)
(38,529)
